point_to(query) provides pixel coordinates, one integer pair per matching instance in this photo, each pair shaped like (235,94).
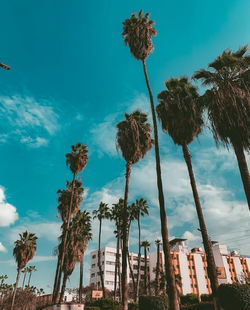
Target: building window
(93,265)
(92,275)
(110,263)
(109,282)
(94,256)
(112,273)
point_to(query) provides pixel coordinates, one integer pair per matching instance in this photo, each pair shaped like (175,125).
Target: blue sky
(72,79)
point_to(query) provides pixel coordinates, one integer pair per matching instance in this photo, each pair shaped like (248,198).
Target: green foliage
(104,304)
(234,296)
(153,303)
(206,297)
(189,299)
(91,308)
(200,306)
(133,306)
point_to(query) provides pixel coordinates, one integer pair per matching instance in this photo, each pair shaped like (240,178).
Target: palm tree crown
(228,101)
(137,33)
(77,159)
(133,136)
(179,110)
(24,249)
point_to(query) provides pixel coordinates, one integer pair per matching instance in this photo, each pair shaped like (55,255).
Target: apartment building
(190,267)
(108,257)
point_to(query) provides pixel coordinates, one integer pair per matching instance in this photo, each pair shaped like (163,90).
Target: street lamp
(4,66)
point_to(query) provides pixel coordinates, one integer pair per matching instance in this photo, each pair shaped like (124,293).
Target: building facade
(190,267)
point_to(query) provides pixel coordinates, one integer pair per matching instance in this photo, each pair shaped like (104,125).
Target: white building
(191,267)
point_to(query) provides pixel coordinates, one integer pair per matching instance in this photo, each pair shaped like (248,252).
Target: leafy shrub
(206,297)
(133,306)
(200,306)
(91,308)
(234,296)
(189,299)
(153,303)
(104,304)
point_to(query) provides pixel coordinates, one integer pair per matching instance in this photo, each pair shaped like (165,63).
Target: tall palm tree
(64,199)
(77,160)
(101,213)
(137,33)
(134,141)
(30,270)
(146,245)
(157,269)
(116,215)
(180,114)
(23,252)
(141,209)
(228,103)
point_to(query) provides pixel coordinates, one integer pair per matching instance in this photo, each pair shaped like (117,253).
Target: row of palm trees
(180,112)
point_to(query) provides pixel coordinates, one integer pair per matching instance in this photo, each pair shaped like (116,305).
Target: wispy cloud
(8,212)
(3,248)
(28,120)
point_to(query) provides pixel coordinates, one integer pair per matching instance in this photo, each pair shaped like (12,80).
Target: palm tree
(101,213)
(116,215)
(228,103)
(134,141)
(4,66)
(23,252)
(180,114)
(64,198)
(146,245)
(157,269)
(30,270)
(137,33)
(141,208)
(77,160)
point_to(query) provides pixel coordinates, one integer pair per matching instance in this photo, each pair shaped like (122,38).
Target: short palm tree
(134,141)
(30,270)
(137,33)
(25,270)
(23,252)
(141,209)
(101,213)
(77,160)
(146,245)
(180,114)
(228,104)
(157,269)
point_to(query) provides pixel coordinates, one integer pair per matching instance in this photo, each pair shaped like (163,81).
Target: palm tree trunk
(99,259)
(139,260)
(81,279)
(65,277)
(56,295)
(172,292)
(145,272)
(243,169)
(157,276)
(29,278)
(56,276)
(125,241)
(116,262)
(211,268)
(131,268)
(24,279)
(119,267)
(14,294)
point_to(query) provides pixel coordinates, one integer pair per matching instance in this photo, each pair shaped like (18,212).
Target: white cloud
(8,212)
(3,248)
(28,120)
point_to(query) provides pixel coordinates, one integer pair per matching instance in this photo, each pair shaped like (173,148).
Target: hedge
(234,296)
(189,299)
(133,306)
(153,303)
(91,308)
(206,297)
(200,306)
(104,304)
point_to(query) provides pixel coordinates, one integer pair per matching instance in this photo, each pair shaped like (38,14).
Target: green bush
(234,296)
(153,303)
(133,306)
(200,306)
(91,308)
(104,304)
(206,297)
(189,299)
